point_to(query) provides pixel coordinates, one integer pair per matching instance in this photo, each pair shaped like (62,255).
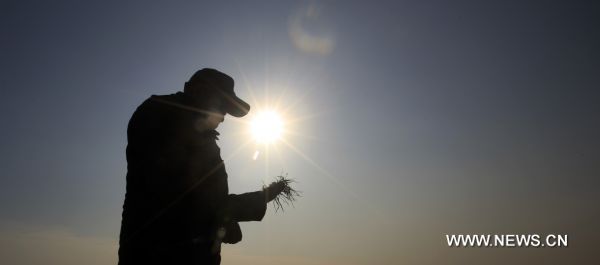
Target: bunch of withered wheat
(288,195)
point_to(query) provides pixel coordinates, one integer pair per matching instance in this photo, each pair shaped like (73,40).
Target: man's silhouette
(177,206)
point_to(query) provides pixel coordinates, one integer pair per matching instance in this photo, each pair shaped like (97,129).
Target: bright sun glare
(266,127)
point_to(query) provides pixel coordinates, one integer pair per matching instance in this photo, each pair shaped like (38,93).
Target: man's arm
(252,206)
(245,207)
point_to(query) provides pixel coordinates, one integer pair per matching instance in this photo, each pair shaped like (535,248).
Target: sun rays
(278,120)
(273,118)
(277,127)
(266,127)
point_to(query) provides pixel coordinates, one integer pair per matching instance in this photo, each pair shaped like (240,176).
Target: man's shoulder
(178,101)
(152,110)
(177,98)
(161,102)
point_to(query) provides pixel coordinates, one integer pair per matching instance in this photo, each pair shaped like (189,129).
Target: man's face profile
(214,117)
(212,106)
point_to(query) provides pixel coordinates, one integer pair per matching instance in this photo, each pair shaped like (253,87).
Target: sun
(266,127)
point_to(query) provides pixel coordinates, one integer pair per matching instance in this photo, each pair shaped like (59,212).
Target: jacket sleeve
(250,206)
(246,207)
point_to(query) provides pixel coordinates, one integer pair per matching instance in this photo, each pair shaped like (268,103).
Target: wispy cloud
(239,259)
(26,245)
(32,245)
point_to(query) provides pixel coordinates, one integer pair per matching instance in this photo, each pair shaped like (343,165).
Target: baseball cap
(214,81)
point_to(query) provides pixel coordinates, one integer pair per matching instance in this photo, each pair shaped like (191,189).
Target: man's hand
(232,233)
(273,190)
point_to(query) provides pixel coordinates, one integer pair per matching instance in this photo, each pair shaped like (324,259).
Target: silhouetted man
(177,207)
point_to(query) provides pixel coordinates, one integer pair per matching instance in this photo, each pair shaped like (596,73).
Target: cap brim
(236,106)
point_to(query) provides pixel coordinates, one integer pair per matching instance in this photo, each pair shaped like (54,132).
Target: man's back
(175,180)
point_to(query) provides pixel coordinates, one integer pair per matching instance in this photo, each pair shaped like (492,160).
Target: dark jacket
(177,197)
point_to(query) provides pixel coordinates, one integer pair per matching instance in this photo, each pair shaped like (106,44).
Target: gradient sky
(411,120)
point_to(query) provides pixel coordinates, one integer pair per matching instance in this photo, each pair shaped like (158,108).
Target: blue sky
(413,119)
